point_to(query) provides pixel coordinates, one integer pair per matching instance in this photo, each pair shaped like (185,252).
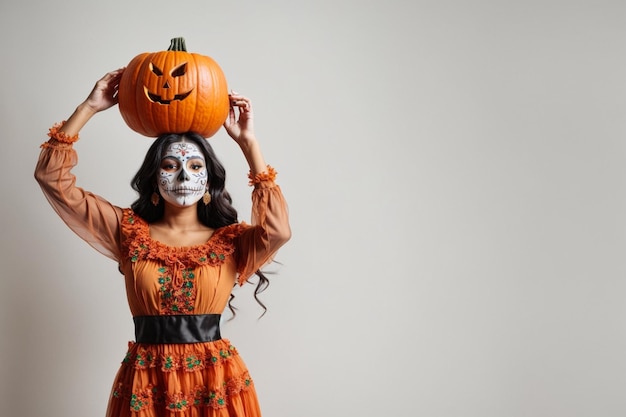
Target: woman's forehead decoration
(183,151)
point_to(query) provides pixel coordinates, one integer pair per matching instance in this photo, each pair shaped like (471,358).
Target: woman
(181,250)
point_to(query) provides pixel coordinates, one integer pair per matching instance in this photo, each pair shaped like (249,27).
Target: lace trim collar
(140,244)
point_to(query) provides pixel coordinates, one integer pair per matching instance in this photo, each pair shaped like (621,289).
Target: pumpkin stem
(178,44)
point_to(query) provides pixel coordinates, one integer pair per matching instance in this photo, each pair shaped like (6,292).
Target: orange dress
(206,379)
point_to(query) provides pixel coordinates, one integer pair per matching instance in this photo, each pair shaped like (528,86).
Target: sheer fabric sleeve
(91,217)
(270,229)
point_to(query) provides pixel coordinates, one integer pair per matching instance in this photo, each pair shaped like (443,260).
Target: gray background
(455,174)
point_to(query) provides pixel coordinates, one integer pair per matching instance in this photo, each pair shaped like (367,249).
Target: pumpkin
(173,91)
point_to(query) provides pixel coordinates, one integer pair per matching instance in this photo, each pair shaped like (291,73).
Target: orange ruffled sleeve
(257,245)
(91,217)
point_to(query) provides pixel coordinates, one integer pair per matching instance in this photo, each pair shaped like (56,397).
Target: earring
(155,198)
(206,198)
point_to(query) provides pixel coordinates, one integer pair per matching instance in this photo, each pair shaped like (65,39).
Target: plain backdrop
(456,181)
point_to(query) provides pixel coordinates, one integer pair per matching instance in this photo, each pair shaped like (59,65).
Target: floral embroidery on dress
(178,402)
(200,397)
(176,276)
(147,356)
(142,399)
(210,398)
(216,391)
(144,360)
(168,363)
(177,299)
(193,363)
(218,398)
(118,390)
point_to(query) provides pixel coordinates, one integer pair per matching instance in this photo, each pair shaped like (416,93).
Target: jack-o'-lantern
(173,91)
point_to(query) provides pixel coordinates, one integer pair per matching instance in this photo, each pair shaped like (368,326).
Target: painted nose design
(183,176)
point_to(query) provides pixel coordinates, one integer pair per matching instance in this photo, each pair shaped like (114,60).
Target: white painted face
(182,178)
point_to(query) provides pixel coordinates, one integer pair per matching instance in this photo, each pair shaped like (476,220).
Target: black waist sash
(177,329)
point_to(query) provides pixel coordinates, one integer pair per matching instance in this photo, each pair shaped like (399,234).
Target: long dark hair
(218,214)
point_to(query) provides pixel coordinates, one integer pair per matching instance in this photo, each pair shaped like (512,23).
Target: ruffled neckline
(141,245)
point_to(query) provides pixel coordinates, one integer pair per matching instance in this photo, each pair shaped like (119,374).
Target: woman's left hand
(240,129)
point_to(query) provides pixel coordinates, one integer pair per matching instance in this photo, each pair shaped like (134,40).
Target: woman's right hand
(104,93)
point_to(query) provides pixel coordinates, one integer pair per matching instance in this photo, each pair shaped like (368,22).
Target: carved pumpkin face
(173,91)
(168,82)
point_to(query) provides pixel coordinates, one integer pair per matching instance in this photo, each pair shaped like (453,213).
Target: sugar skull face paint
(182,178)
